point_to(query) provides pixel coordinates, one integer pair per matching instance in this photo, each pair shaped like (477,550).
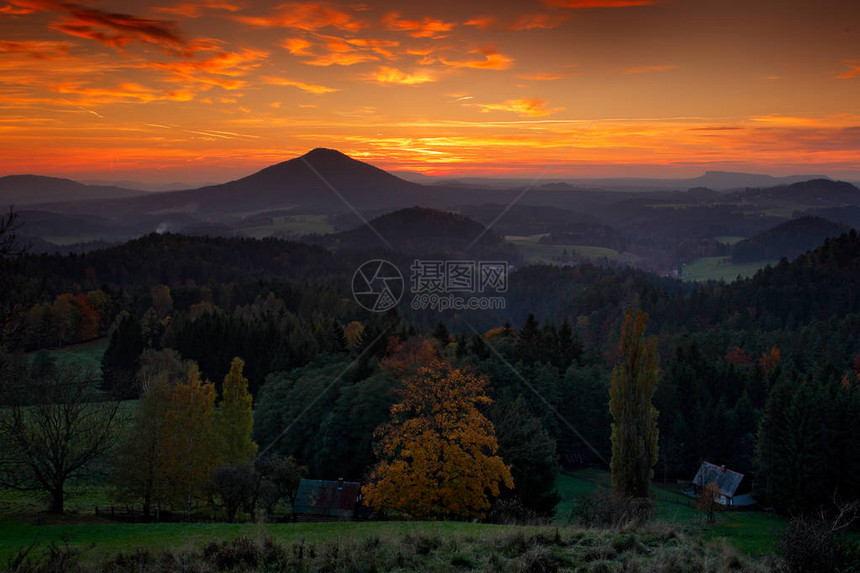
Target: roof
(330,498)
(727,480)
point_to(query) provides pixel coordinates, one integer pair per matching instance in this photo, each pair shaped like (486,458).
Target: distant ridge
(815,192)
(322,178)
(34,189)
(736,180)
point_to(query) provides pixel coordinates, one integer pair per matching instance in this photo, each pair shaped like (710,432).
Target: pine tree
(236,419)
(634,430)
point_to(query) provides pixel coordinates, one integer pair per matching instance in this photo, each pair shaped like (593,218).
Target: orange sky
(184,91)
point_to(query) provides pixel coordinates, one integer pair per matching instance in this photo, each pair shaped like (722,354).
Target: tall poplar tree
(236,417)
(191,443)
(634,427)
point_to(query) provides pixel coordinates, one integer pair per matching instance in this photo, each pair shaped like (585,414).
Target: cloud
(196,9)
(646,69)
(492,61)
(481,22)
(424,28)
(537,22)
(223,68)
(788,121)
(216,134)
(109,28)
(390,75)
(37,49)
(297,46)
(128,92)
(543,77)
(331,50)
(308,16)
(717,128)
(598,3)
(855,70)
(310,88)
(14,10)
(526,107)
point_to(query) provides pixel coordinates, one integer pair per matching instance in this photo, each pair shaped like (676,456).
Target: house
(727,480)
(327,499)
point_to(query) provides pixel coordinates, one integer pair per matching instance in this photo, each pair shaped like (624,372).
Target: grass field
(87,355)
(751,532)
(112,537)
(65,240)
(295,224)
(535,252)
(719,269)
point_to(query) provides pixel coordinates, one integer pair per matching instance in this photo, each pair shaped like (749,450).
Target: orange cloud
(341,59)
(537,22)
(297,46)
(37,49)
(340,51)
(424,28)
(598,3)
(221,69)
(646,69)
(543,77)
(109,28)
(125,93)
(196,9)
(309,16)
(492,61)
(381,47)
(481,22)
(310,88)
(16,10)
(389,75)
(526,107)
(855,70)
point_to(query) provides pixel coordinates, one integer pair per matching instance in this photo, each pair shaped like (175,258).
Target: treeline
(281,327)
(736,359)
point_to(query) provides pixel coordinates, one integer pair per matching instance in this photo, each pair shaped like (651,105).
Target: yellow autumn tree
(438,454)
(140,467)
(236,418)
(191,445)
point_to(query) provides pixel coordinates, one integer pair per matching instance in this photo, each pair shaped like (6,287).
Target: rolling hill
(21,190)
(788,240)
(814,193)
(423,231)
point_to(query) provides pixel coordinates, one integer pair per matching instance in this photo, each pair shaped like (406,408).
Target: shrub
(537,560)
(603,508)
(814,545)
(511,512)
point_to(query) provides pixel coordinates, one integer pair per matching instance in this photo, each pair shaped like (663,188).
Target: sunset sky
(212,90)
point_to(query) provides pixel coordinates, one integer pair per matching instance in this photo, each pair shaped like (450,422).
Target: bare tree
(10,246)
(818,543)
(55,428)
